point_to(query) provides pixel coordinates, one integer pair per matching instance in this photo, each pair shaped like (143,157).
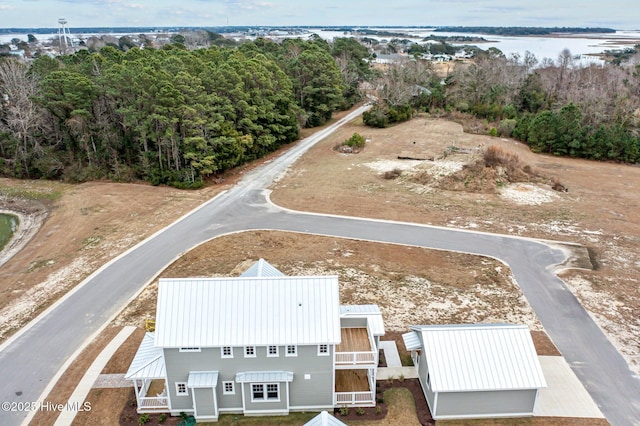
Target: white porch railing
(355,398)
(147,403)
(355,358)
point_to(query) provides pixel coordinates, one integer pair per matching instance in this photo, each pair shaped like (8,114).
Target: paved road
(30,359)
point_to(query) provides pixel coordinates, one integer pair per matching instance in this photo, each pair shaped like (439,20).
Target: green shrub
(375,118)
(360,411)
(355,141)
(162,418)
(144,418)
(344,411)
(506,127)
(493,131)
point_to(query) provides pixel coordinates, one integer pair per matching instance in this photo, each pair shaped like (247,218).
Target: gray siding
(349,322)
(204,402)
(280,405)
(317,391)
(423,370)
(479,404)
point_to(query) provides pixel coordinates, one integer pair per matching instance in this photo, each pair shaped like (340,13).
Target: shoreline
(28,226)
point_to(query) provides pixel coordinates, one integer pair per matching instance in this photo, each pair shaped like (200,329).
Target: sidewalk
(86,383)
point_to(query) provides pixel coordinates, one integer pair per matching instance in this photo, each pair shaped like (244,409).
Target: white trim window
(323,350)
(226,352)
(249,351)
(273,351)
(265,392)
(292,350)
(194,349)
(182,389)
(228,388)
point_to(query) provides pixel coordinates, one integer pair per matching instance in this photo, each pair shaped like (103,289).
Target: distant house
(389,59)
(476,371)
(259,344)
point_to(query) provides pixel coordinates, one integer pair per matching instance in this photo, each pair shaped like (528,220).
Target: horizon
(618,14)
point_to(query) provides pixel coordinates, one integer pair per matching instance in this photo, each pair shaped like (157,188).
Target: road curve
(30,359)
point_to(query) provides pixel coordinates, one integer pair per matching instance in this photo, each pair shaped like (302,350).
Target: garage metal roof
(264,376)
(148,363)
(215,312)
(202,379)
(371,312)
(481,357)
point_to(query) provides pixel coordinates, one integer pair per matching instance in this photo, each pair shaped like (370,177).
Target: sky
(617,14)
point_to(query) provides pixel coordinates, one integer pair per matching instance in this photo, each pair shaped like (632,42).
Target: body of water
(8,226)
(542,47)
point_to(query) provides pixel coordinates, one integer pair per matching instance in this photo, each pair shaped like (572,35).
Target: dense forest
(169,116)
(176,116)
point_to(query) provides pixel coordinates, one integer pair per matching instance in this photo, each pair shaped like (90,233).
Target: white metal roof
(481,357)
(324,419)
(264,376)
(214,312)
(371,312)
(202,379)
(412,340)
(148,363)
(262,268)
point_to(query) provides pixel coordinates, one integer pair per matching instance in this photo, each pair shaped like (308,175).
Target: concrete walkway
(385,373)
(79,395)
(106,381)
(564,396)
(391,353)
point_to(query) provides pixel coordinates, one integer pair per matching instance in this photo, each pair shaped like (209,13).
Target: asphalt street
(31,358)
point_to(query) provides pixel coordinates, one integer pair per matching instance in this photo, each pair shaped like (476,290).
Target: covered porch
(357,347)
(147,372)
(355,388)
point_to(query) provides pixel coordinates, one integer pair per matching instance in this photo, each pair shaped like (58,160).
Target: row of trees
(559,107)
(564,108)
(168,116)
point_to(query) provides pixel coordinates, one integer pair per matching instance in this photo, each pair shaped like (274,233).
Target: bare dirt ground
(600,209)
(83,226)
(91,223)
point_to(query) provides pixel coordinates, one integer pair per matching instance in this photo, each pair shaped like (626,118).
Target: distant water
(541,47)
(8,226)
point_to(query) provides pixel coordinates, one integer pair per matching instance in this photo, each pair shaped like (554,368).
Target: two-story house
(259,344)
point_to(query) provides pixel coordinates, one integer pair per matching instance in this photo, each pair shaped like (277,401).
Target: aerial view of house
(476,370)
(259,344)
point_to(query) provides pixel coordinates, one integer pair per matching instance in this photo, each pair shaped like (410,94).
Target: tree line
(559,107)
(176,116)
(170,115)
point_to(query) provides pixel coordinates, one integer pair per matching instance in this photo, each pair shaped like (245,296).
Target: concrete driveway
(564,395)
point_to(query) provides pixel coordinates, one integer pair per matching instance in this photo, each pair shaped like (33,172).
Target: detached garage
(476,371)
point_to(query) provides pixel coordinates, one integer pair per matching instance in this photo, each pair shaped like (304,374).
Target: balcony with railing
(355,388)
(357,349)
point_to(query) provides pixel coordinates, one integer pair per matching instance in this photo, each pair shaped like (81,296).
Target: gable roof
(148,362)
(371,312)
(480,357)
(262,268)
(324,419)
(215,312)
